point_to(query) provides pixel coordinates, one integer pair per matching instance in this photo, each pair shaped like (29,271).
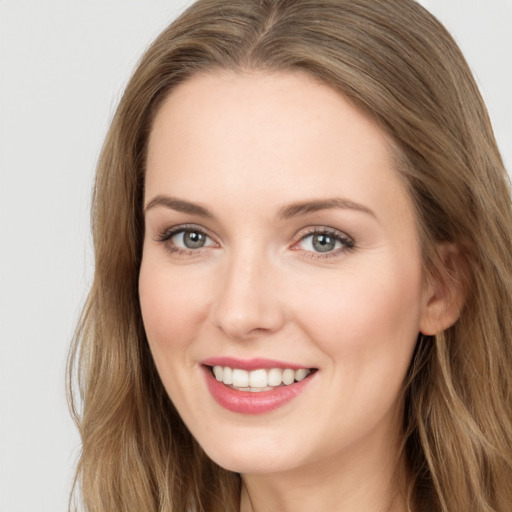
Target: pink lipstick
(254,386)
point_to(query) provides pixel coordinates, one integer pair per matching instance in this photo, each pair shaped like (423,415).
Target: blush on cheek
(162,319)
(171,306)
(364,311)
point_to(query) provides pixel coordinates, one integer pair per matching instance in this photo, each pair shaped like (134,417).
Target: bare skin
(277,227)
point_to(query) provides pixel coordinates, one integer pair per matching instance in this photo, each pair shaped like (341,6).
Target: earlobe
(445,292)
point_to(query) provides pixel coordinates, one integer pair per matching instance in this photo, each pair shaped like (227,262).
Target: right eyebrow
(179,205)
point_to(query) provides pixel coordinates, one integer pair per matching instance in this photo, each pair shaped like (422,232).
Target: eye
(191,239)
(323,241)
(185,240)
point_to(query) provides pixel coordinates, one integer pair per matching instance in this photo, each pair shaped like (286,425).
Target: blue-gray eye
(320,243)
(191,239)
(324,243)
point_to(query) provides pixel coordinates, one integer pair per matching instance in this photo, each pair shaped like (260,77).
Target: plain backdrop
(63,66)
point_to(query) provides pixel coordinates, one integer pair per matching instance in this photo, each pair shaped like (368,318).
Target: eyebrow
(307,207)
(287,212)
(179,205)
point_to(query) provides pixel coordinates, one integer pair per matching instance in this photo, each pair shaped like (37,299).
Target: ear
(445,292)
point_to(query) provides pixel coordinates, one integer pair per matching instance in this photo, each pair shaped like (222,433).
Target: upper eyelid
(311,230)
(167,233)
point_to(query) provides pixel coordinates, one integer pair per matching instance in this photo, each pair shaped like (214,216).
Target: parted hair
(395,62)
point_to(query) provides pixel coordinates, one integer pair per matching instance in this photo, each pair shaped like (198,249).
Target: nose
(248,303)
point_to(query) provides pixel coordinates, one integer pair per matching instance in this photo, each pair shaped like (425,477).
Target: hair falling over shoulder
(396,62)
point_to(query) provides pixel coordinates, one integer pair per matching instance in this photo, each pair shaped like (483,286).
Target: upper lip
(251,364)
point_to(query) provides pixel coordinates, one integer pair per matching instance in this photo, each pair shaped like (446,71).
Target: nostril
(246,306)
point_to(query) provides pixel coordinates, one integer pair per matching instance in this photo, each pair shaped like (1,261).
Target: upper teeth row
(261,378)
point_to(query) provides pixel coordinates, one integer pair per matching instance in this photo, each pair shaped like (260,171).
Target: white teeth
(275,377)
(288,376)
(218,371)
(240,378)
(299,374)
(258,380)
(228,375)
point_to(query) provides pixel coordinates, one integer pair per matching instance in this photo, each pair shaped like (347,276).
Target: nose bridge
(247,302)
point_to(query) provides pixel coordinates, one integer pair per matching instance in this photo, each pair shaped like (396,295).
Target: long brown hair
(397,63)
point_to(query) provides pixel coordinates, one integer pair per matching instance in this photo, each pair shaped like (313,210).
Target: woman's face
(280,244)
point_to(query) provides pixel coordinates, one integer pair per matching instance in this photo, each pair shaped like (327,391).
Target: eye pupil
(193,239)
(323,243)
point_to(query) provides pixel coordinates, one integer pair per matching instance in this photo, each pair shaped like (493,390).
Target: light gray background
(63,65)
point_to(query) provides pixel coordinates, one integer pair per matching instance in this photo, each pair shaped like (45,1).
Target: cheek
(173,306)
(367,325)
(366,315)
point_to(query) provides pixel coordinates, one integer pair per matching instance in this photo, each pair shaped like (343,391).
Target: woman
(303,283)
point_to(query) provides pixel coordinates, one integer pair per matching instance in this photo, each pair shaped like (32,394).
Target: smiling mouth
(262,379)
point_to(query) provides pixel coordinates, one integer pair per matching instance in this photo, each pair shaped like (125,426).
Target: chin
(257,465)
(251,458)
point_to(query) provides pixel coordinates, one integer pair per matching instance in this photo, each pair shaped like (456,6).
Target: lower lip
(246,402)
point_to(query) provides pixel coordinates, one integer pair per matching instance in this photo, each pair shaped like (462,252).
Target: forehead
(275,135)
(281,102)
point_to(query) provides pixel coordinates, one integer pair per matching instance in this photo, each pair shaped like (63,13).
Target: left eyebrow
(307,207)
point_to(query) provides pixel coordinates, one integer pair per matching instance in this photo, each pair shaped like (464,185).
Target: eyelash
(167,234)
(347,242)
